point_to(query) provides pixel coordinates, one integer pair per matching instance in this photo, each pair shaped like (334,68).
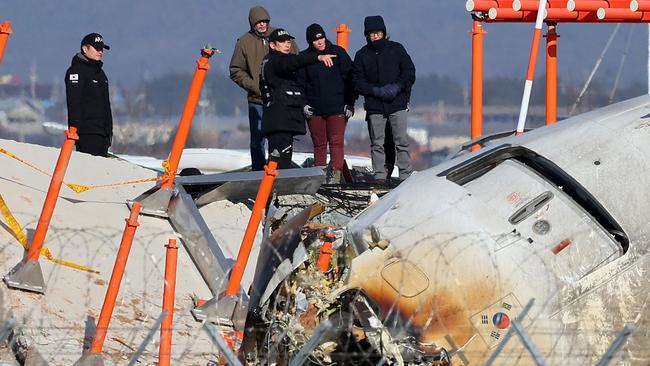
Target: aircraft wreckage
(542,235)
(440,269)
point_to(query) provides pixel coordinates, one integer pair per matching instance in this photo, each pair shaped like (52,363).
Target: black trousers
(283,143)
(93,144)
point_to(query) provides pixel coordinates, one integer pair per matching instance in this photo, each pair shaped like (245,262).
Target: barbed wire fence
(293,333)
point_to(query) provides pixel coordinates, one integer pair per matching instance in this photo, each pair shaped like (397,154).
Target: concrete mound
(86,228)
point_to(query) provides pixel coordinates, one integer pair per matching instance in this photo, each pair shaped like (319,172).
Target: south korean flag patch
(74,78)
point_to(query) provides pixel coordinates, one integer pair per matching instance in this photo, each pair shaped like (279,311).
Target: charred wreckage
(543,235)
(437,270)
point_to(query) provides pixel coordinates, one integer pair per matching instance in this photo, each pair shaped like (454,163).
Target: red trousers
(328,130)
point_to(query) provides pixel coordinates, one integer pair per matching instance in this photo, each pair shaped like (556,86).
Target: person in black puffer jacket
(283,97)
(89,106)
(330,100)
(384,74)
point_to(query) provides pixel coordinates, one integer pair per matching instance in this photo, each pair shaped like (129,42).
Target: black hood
(373,23)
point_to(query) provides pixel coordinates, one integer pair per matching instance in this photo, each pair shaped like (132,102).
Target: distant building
(21,116)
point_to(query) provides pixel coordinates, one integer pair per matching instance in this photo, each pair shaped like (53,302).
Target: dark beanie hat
(373,23)
(314,32)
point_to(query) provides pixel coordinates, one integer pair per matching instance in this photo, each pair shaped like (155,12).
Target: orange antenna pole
(530,74)
(27,274)
(263,193)
(551,73)
(342,32)
(202,66)
(5,31)
(116,278)
(477,82)
(171,260)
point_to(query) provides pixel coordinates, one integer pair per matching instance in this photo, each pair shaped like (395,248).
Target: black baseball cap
(280,35)
(96,40)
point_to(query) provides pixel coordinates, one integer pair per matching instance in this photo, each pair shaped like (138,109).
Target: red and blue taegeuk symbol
(501,320)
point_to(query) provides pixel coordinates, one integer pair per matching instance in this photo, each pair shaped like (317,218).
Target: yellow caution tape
(20,235)
(78,188)
(82,188)
(3,151)
(45,251)
(16,230)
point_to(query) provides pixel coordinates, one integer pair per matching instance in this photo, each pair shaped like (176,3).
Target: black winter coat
(89,107)
(380,63)
(329,89)
(284,112)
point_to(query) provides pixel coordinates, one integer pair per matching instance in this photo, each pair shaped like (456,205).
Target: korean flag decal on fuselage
(74,78)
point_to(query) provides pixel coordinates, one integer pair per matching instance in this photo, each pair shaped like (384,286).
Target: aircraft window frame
(480,164)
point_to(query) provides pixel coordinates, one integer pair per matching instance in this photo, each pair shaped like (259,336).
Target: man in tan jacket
(250,49)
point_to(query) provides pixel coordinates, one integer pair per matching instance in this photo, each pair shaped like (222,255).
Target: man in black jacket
(330,101)
(89,107)
(282,95)
(383,73)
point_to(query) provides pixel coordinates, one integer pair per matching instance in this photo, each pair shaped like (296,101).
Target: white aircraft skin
(560,215)
(209,160)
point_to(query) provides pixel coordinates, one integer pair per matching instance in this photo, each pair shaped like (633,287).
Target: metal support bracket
(26,275)
(154,201)
(90,359)
(224,310)
(199,242)
(181,209)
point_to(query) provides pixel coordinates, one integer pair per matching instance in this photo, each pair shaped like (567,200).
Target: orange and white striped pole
(530,74)
(5,31)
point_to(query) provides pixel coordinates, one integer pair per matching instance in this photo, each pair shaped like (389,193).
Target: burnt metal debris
(296,312)
(437,271)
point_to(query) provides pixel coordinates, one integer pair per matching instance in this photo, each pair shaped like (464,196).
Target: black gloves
(387,92)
